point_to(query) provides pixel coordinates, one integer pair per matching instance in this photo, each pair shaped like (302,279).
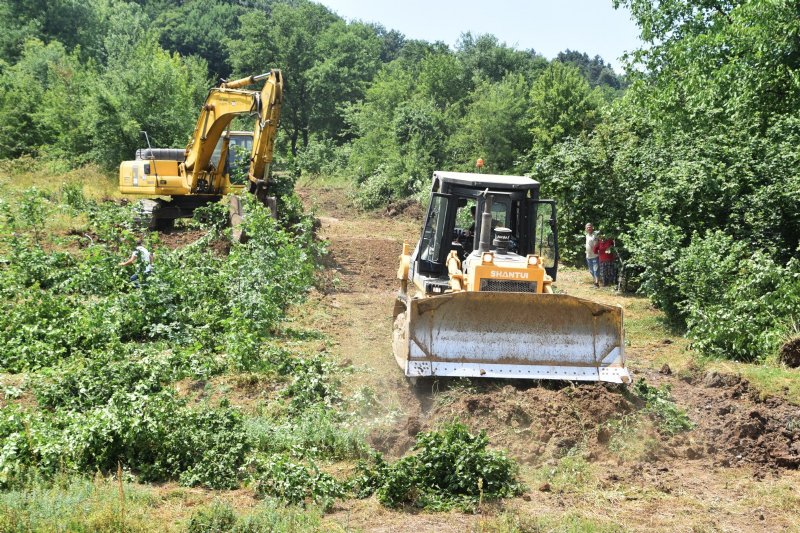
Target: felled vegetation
(450,468)
(102,353)
(121,377)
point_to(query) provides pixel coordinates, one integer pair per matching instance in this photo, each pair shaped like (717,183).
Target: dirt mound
(407,207)
(178,238)
(530,420)
(738,426)
(790,353)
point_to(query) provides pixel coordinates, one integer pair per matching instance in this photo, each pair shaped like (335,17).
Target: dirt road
(588,453)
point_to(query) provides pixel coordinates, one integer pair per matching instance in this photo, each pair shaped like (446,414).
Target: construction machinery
(180,180)
(476,296)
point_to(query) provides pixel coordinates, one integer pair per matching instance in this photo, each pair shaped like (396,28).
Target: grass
(76,504)
(633,437)
(570,522)
(24,173)
(571,473)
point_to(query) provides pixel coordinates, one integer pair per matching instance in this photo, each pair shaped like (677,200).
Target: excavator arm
(264,133)
(222,105)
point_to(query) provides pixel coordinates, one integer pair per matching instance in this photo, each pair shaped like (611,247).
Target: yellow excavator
(476,294)
(183,179)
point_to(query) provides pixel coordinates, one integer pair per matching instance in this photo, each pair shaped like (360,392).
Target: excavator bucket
(509,335)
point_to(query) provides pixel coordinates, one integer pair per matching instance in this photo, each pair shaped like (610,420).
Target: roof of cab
(471,179)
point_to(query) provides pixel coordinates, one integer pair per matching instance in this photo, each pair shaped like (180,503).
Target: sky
(547,26)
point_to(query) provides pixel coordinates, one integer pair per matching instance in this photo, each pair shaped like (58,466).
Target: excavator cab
(478,301)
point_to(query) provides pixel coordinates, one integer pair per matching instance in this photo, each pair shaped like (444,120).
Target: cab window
(543,240)
(433,234)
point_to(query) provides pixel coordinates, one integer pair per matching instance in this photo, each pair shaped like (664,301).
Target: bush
(451,468)
(157,436)
(278,476)
(749,320)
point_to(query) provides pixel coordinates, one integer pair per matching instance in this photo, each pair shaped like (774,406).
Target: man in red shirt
(608,271)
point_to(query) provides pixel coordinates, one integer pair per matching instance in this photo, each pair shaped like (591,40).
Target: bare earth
(580,457)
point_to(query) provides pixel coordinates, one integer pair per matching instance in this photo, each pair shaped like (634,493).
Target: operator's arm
(130,260)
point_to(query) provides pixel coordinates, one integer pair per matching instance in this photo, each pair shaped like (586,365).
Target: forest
(689,158)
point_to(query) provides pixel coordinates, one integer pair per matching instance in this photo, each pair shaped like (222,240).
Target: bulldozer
(476,294)
(179,180)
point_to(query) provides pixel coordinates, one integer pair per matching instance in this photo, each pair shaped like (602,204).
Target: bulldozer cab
(453,221)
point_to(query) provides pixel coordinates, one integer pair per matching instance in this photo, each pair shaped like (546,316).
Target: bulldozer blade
(509,335)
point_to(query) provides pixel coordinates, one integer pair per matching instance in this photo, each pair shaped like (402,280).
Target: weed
(217,518)
(658,403)
(633,437)
(571,473)
(315,433)
(271,515)
(568,523)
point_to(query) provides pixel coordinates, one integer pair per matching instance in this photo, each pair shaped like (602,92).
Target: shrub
(157,436)
(278,476)
(451,468)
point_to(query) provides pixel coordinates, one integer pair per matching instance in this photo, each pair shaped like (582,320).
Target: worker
(591,255)
(605,254)
(145,265)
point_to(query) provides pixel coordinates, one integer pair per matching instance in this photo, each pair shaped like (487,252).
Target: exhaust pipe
(486,224)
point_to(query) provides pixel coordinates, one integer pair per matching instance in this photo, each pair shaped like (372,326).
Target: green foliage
(105,352)
(217,518)
(494,126)
(658,403)
(155,435)
(201,28)
(756,306)
(317,432)
(280,477)
(270,515)
(450,468)
(562,105)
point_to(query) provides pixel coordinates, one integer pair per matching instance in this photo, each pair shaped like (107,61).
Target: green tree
(494,126)
(144,88)
(348,59)
(485,56)
(38,99)
(201,28)
(287,40)
(562,105)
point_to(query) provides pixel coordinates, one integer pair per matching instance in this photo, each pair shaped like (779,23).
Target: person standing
(145,265)
(591,255)
(603,249)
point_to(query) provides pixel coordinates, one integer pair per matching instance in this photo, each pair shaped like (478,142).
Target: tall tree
(201,28)
(287,39)
(562,105)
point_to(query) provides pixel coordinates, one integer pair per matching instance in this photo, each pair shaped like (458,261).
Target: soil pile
(529,420)
(790,353)
(739,426)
